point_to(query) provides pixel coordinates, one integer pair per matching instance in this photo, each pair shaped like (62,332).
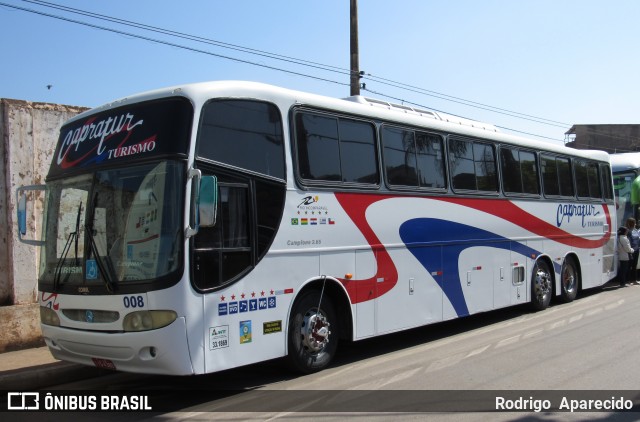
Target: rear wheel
(569,282)
(313,332)
(541,286)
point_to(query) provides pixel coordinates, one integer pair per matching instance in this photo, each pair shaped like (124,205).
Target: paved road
(589,344)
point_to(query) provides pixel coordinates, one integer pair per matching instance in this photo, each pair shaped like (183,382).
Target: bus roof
(201,92)
(625,161)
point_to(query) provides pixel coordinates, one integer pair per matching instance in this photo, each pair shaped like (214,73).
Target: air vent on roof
(425,113)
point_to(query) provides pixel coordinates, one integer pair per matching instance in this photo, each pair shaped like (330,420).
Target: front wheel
(313,333)
(541,286)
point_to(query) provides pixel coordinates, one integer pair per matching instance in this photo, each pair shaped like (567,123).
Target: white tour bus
(203,227)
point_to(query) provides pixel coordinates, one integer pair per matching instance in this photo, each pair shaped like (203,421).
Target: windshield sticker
(129,132)
(144,224)
(92,269)
(96,132)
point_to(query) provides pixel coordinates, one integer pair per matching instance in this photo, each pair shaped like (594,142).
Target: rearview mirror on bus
(30,201)
(208,205)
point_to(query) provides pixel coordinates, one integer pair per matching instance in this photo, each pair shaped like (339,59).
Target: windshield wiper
(76,232)
(72,236)
(104,265)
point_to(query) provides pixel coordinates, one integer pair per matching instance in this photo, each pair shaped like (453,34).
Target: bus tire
(313,335)
(569,280)
(541,286)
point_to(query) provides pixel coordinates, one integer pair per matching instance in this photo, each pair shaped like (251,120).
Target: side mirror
(208,204)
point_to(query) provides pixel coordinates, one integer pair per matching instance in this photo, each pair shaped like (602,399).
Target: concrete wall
(28,133)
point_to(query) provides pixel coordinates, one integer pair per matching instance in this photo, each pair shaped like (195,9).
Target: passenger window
(607,184)
(430,155)
(242,133)
(335,149)
(318,147)
(413,158)
(399,157)
(587,180)
(473,166)
(564,175)
(358,152)
(519,171)
(557,179)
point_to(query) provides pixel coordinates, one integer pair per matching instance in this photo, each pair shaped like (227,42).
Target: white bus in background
(199,228)
(626,169)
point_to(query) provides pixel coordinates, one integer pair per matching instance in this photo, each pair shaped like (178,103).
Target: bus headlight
(148,320)
(49,317)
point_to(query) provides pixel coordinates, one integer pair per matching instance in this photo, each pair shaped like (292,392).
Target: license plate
(104,363)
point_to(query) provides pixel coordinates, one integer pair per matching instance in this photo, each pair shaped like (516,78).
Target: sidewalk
(32,369)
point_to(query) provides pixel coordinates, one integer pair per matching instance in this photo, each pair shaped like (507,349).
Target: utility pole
(355,66)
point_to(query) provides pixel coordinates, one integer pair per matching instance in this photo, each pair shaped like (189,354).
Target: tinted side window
(318,147)
(473,166)
(595,192)
(399,156)
(335,149)
(587,180)
(607,183)
(519,171)
(358,152)
(430,155)
(557,179)
(413,158)
(242,133)
(529,171)
(564,175)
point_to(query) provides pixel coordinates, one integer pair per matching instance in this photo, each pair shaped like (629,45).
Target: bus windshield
(114,226)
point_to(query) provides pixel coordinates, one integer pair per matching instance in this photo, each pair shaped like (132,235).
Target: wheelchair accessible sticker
(92,269)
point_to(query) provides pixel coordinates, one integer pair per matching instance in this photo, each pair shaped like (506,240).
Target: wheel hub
(315,331)
(542,284)
(569,282)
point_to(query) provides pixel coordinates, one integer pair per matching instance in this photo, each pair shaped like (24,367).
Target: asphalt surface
(33,369)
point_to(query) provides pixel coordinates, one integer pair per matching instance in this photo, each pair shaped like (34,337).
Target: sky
(531,67)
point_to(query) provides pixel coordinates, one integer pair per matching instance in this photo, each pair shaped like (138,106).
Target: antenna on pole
(355,57)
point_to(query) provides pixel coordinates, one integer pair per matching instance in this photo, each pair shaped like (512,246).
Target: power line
(191,37)
(289,59)
(171,44)
(274,56)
